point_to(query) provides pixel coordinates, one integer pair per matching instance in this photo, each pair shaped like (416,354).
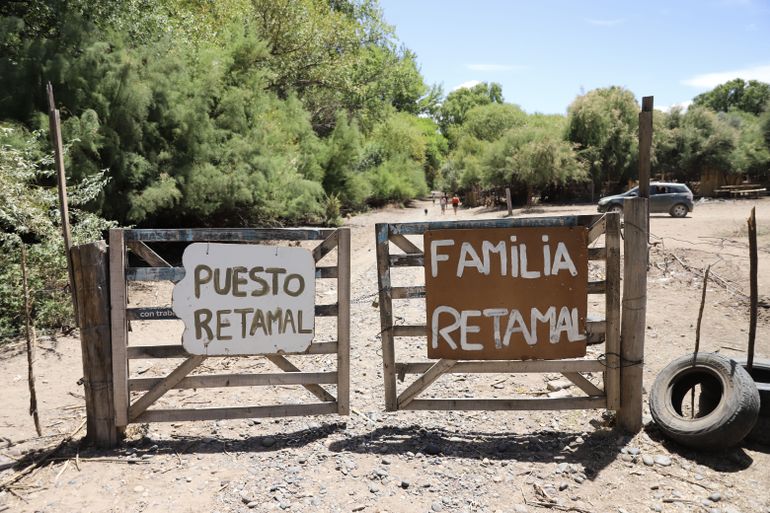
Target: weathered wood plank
(152,313)
(317,390)
(146,253)
(634,314)
(597,229)
(237,412)
(583,384)
(424,381)
(226,235)
(410,331)
(612,309)
(118,325)
(177,351)
(89,266)
(416,292)
(594,330)
(386,315)
(239,380)
(508,367)
(518,222)
(325,247)
(164,386)
(405,244)
(597,287)
(409,260)
(599,253)
(176,274)
(326,310)
(567,403)
(343,322)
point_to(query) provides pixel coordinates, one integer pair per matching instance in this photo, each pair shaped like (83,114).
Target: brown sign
(506,293)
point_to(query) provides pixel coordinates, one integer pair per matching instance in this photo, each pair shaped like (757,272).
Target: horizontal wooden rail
(416,292)
(597,287)
(418,260)
(418,228)
(408,260)
(240,380)
(177,351)
(410,331)
(598,253)
(594,329)
(507,366)
(566,403)
(237,412)
(176,274)
(164,313)
(226,235)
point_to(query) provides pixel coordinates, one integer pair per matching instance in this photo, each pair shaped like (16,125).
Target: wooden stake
(634,314)
(56,141)
(752,221)
(700,313)
(31,342)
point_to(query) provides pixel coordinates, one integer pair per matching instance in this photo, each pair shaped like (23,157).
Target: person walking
(442,202)
(455,203)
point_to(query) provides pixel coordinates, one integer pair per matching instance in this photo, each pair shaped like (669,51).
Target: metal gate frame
(430,371)
(137,411)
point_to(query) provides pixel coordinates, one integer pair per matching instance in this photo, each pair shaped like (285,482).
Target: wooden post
(91,276)
(754,293)
(119,325)
(612,311)
(386,316)
(55,129)
(645,145)
(343,322)
(634,314)
(508,200)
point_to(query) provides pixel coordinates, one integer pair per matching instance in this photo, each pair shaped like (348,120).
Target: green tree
(747,96)
(695,141)
(603,124)
(457,104)
(532,157)
(489,122)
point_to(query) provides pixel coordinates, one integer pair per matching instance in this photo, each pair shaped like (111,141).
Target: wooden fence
(411,255)
(133,396)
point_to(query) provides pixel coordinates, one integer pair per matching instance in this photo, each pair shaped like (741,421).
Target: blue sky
(547,52)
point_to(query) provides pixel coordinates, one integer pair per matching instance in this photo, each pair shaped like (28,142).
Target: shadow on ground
(727,460)
(594,451)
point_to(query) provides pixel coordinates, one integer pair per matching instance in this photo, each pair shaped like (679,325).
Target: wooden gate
(411,255)
(133,395)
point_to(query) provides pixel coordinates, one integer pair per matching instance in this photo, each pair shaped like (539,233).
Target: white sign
(244,299)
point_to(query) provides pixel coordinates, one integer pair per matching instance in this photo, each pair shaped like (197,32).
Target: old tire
(731,418)
(760,373)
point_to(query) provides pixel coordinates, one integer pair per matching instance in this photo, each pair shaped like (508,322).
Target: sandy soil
(375,461)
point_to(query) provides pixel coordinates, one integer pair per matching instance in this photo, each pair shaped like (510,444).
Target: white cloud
(493,67)
(467,85)
(711,80)
(682,105)
(605,23)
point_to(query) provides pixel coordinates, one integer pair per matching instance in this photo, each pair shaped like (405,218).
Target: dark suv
(674,199)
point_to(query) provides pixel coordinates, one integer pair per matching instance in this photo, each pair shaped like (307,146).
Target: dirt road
(374,461)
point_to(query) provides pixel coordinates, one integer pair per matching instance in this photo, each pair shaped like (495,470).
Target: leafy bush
(29,215)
